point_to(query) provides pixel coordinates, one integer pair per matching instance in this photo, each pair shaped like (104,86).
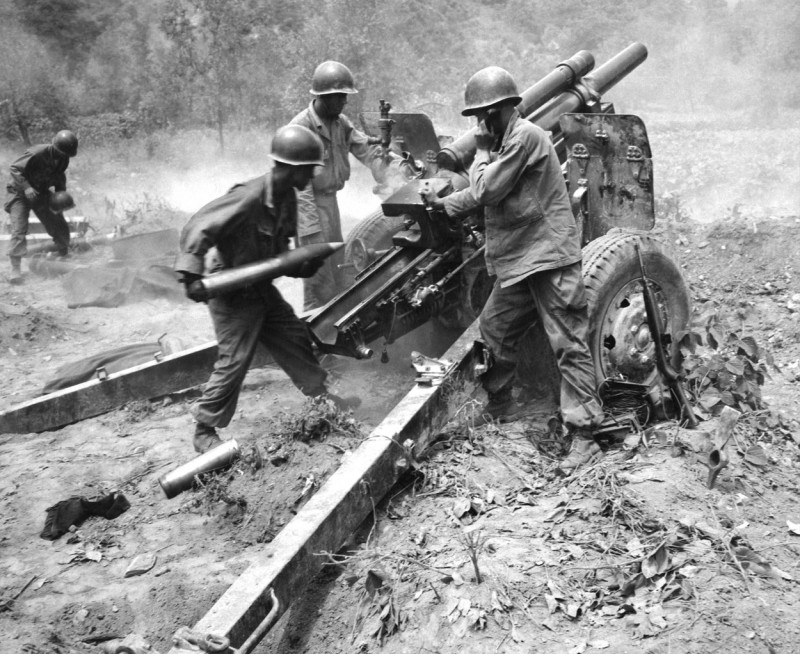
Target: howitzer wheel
(373,233)
(619,337)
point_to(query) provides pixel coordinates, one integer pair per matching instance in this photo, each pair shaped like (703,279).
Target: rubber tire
(375,231)
(610,264)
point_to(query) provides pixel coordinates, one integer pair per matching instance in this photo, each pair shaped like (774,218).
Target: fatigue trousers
(241,322)
(328,281)
(558,298)
(19,210)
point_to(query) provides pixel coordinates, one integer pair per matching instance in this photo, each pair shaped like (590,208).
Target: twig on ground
(727,545)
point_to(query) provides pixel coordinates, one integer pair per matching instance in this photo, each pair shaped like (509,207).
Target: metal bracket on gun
(430,371)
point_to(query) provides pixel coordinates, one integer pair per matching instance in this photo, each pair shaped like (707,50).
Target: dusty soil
(634,554)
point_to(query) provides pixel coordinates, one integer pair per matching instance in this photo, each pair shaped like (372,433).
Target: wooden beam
(168,374)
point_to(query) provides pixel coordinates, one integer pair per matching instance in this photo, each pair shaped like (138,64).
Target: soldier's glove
(31,194)
(193,285)
(308,268)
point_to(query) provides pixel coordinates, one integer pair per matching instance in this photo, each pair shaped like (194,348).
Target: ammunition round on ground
(175,482)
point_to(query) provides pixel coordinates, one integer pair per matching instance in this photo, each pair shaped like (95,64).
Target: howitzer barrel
(563,77)
(584,94)
(575,94)
(285,263)
(459,154)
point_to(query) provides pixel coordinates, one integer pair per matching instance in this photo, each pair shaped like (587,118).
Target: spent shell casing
(176,481)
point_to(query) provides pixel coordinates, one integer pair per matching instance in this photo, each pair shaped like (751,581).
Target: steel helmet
(488,87)
(66,143)
(297,146)
(61,201)
(332,77)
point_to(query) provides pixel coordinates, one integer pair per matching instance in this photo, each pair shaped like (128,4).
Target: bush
(724,368)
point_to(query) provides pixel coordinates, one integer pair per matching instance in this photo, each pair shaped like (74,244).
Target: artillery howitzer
(413,266)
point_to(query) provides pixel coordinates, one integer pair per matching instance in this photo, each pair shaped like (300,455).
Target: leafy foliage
(724,368)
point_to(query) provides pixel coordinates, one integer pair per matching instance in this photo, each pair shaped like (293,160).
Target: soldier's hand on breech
(195,290)
(430,198)
(309,268)
(484,138)
(31,194)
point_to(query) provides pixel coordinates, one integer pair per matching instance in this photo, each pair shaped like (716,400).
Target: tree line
(132,66)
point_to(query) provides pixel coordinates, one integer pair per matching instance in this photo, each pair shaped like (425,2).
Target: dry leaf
(645,628)
(557,515)
(599,644)
(94,555)
(758,564)
(756,455)
(461,506)
(656,563)
(373,582)
(793,527)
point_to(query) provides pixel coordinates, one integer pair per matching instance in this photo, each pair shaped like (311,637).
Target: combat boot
(205,438)
(16,271)
(584,450)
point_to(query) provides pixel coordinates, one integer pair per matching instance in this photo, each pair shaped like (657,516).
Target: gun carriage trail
(677,540)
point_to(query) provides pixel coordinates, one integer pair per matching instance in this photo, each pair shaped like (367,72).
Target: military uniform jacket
(529,223)
(242,226)
(339,138)
(40,167)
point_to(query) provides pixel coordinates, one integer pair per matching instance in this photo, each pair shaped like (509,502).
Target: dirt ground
(633,554)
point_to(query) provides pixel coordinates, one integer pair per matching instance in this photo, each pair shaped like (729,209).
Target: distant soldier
(318,218)
(253,221)
(33,175)
(533,248)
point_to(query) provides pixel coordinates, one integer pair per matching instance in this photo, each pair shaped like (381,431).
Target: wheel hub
(628,350)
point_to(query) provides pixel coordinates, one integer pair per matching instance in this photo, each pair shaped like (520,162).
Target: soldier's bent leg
(287,339)
(508,312)
(561,301)
(237,324)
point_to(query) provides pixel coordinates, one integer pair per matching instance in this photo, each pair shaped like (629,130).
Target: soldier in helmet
(254,220)
(33,175)
(533,248)
(318,219)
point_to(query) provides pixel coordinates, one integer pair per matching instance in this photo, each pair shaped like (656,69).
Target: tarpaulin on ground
(115,360)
